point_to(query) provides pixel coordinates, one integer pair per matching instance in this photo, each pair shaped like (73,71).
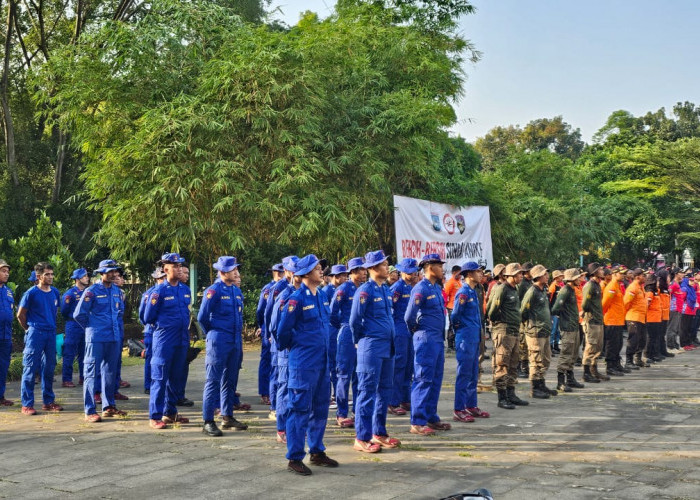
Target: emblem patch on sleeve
(363,297)
(291,305)
(417,299)
(154,298)
(210,293)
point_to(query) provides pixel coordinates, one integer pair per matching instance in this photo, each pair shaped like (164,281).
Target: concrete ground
(633,437)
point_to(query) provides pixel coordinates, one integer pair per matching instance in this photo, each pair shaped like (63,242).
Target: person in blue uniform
(372,325)
(282,399)
(339,275)
(346,354)
(466,319)
(220,316)
(7,313)
(159,276)
(32,278)
(119,283)
(425,317)
(275,290)
(168,310)
(264,367)
(99,312)
(303,330)
(74,341)
(237,403)
(37,316)
(182,400)
(400,401)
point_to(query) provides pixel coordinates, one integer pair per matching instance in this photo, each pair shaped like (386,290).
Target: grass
(465,454)
(413,447)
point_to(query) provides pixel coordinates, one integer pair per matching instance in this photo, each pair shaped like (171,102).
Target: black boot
(572,382)
(588,376)
(561,382)
(543,386)
(639,362)
(621,368)
(211,429)
(537,392)
(523,371)
(629,364)
(503,400)
(510,391)
(612,369)
(597,374)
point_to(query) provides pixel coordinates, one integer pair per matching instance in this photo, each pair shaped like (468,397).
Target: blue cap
(408,266)
(158,273)
(78,273)
(470,266)
(290,263)
(226,264)
(338,269)
(306,264)
(32,277)
(374,258)
(278,267)
(171,258)
(107,265)
(355,263)
(431,258)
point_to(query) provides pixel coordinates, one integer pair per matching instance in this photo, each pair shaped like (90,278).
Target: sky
(581,60)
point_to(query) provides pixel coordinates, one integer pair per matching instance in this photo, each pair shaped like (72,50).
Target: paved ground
(634,437)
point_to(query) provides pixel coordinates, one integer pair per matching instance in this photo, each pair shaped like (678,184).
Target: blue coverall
(403,345)
(74,341)
(303,330)
(329,290)
(346,355)
(466,319)
(7,307)
(425,317)
(275,290)
(99,313)
(282,400)
(264,366)
(147,339)
(372,326)
(168,310)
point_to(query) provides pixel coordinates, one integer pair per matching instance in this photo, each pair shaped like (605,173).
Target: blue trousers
(221,366)
(346,360)
(102,358)
(73,346)
(236,399)
(37,344)
(166,375)
(273,375)
(403,370)
(148,342)
(308,411)
(467,372)
(555,336)
(375,378)
(264,369)
(5,353)
(332,354)
(282,401)
(428,369)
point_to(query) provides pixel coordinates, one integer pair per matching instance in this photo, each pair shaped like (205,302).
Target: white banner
(458,235)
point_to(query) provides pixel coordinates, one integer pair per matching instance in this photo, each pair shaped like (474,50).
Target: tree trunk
(7,123)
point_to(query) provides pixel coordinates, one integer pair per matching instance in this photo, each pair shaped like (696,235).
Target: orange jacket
(613,306)
(635,303)
(578,290)
(451,287)
(665,305)
(653,307)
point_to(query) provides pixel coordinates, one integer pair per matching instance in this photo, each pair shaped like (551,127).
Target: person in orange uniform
(665,313)
(654,313)
(450,290)
(635,317)
(614,320)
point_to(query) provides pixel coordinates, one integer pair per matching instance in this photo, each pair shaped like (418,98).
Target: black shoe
(621,368)
(544,387)
(640,363)
(613,371)
(572,382)
(669,355)
(298,467)
(537,392)
(232,423)
(503,400)
(658,359)
(522,370)
(211,429)
(561,383)
(597,374)
(588,376)
(323,460)
(510,392)
(631,366)
(185,402)
(578,362)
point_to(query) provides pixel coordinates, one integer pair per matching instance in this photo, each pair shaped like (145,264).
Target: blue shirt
(42,308)
(401,295)
(147,327)
(99,312)
(371,314)
(69,302)
(168,310)
(238,294)
(466,315)
(329,290)
(262,303)
(275,290)
(303,329)
(426,310)
(341,304)
(7,307)
(220,310)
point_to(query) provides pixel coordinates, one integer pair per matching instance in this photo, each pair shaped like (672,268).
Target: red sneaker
(688,348)
(242,407)
(386,441)
(462,416)
(119,397)
(68,384)
(93,418)
(281,437)
(476,412)
(422,430)
(157,424)
(28,410)
(345,422)
(439,426)
(265,400)
(124,384)
(396,410)
(406,406)
(52,407)
(112,411)
(171,419)
(366,446)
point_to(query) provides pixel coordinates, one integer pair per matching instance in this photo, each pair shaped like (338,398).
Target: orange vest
(613,306)
(635,303)
(653,307)
(579,298)
(665,305)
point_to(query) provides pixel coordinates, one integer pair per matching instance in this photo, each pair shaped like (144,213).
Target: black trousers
(613,344)
(654,333)
(636,339)
(686,335)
